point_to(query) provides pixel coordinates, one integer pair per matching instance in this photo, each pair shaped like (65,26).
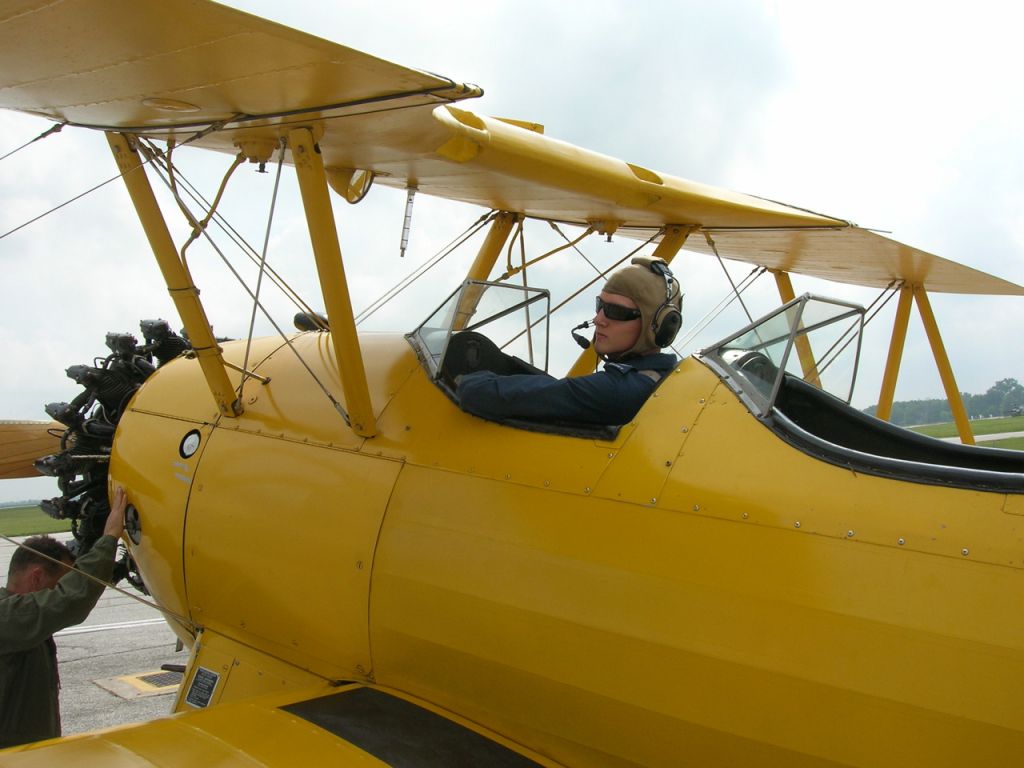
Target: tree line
(1004,398)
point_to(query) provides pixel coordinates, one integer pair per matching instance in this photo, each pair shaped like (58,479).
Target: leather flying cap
(648,289)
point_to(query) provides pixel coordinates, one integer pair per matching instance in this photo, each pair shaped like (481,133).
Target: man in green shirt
(41,598)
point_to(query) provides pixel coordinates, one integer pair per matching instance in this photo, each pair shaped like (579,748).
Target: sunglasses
(616,311)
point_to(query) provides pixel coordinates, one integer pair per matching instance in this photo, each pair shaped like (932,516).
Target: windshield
(514,317)
(812,338)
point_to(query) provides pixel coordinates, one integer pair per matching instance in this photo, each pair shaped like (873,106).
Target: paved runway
(120,637)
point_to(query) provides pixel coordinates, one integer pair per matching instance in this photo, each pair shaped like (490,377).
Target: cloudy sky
(901,116)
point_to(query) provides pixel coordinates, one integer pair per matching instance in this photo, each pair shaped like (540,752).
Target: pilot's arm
(611,396)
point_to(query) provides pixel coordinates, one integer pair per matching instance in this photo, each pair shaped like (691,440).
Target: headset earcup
(668,319)
(667,322)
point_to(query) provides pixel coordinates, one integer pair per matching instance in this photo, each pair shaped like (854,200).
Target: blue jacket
(612,396)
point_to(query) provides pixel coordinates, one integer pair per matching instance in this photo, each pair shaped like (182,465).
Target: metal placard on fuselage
(201,689)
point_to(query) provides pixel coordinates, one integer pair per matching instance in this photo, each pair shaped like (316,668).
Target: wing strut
(309,168)
(956,404)
(176,275)
(892,364)
(488,254)
(501,226)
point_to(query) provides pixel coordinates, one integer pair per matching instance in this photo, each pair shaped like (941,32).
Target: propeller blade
(22,442)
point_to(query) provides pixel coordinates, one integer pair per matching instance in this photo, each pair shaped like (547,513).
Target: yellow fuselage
(694,592)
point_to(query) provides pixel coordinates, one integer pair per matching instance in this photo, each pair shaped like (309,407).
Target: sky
(900,116)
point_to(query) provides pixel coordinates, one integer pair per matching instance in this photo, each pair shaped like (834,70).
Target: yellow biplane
(751,572)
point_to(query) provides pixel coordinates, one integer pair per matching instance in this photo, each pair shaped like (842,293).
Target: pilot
(41,598)
(639,312)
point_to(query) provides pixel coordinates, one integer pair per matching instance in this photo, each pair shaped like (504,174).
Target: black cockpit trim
(825,427)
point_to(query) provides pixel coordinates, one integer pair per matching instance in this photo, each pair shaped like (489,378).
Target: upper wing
(145,71)
(173,64)
(853,255)
(22,442)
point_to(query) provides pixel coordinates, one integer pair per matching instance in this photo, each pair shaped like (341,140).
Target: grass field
(978,426)
(28,521)
(1013,443)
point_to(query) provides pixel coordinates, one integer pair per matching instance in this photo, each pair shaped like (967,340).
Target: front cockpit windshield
(510,321)
(811,338)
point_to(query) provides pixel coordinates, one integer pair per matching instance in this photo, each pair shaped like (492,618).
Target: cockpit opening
(795,368)
(499,327)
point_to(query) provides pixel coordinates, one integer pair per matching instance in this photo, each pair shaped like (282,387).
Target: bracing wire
(582,255)
(232,234)
(189,626)
(48,132)
(262,270)
(198,227)
(393,292)
(846,338)
(526,285)
(323,388)
(711,242)
(56,208)
(183,620)
(194,137)
(516,236)
(582,288)
(720,307)
(601,274)
(510,271)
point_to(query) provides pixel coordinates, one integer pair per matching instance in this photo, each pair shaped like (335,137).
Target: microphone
(578,337)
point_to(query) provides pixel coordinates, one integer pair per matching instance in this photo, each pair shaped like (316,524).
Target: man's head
(646,285)
(30,571)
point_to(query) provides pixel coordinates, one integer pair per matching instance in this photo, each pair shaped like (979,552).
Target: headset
(668,318)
